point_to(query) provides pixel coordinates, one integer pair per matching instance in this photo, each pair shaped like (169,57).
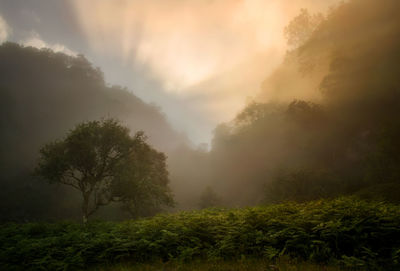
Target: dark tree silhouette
(103,162)
(42,95)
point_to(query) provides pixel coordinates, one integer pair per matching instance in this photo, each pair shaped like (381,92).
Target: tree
(150,189)
(42,95)
(103,162)
(300,29)
(209,198)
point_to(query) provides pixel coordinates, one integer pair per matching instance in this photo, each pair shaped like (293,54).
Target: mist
(194,50)
(200,135)
(324,119)
(45,94)
(292,104)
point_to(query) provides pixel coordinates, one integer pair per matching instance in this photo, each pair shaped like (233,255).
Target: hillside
(326,120)
(43,94)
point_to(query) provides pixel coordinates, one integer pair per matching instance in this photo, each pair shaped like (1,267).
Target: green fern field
(345,233)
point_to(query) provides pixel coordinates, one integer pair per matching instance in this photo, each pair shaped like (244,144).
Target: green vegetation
(43,95)
(345,232)
(283,264)
(105,164)
(321,142)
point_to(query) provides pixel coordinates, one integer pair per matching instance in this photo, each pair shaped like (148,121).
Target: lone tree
(106,164)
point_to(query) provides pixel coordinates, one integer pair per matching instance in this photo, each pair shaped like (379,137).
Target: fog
(314,118)
(208,56)
(44,95)
(324,120)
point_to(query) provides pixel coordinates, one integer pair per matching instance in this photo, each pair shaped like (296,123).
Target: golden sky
(211,54)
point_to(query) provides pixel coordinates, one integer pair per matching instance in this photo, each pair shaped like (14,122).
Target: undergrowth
(344,232)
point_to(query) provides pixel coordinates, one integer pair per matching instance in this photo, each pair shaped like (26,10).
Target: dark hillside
(43,95)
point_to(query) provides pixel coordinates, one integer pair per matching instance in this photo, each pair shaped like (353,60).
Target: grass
(345,232)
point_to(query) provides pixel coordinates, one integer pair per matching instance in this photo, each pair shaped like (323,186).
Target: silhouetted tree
(42,95)
(103,162)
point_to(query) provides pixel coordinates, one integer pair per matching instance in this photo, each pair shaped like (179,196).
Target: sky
(200,61)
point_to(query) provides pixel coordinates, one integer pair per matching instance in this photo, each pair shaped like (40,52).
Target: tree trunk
(84,219)
(85,207)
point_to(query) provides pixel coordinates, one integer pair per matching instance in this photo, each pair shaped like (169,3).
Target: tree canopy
(103,162)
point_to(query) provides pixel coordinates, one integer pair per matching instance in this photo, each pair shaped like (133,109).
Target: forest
(306,176)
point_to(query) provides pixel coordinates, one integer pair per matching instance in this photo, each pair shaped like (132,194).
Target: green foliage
(103,162)
(42,95)
(283,264)
(344,231)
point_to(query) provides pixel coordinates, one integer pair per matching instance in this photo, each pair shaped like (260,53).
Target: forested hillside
(326,121)
(43,95)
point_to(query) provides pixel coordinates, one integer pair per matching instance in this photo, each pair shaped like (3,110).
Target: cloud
(34,40)
(5,30)
(209,55)
(185,42)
